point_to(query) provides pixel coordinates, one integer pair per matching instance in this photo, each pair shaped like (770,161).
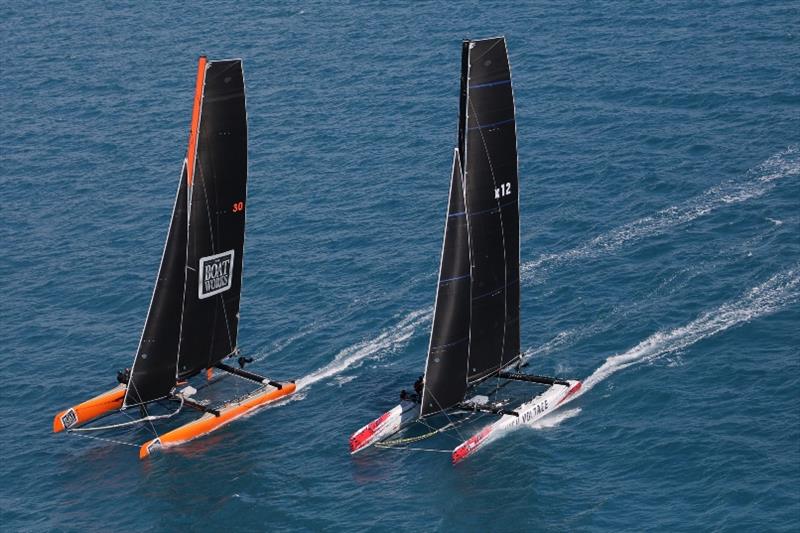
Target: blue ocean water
(660,189)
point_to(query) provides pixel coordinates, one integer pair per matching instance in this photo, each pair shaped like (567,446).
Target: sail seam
(491,125)
(490,84)
(457,278)
(449,344)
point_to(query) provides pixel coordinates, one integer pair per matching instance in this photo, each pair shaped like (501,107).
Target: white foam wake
(760,180)
(777,292)
(389,339)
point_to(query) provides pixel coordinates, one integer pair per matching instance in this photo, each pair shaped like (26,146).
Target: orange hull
(209,422)
(90,409)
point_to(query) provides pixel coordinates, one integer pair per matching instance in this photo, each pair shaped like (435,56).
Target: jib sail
(153,372)
(446,366)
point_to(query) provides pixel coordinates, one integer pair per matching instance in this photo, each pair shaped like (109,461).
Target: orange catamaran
(193,319)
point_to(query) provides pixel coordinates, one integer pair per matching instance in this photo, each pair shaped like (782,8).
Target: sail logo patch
(216,274)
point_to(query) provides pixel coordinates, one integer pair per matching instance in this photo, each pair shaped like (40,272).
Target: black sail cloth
(216,223)
(483,302)
(193,319)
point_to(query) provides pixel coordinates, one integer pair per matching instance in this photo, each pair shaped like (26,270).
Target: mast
(216,220)
(445,367)
(492,206)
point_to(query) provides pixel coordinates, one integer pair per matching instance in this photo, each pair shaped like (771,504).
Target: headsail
(446,366)
(218,190)
(488,133)
(153,372)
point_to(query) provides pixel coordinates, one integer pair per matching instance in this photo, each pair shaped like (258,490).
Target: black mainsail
(192,323)
(216,223)
(492,196)
(475,328)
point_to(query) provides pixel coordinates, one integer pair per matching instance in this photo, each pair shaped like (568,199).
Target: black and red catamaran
(193,321)
(475,336)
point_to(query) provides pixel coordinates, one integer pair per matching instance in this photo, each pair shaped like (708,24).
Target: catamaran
(193,320)
(475,336)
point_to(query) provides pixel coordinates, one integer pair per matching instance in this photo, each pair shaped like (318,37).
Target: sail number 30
(503,190)
(238,206)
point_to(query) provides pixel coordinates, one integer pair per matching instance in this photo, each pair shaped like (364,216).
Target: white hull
(529,412)
(384,426)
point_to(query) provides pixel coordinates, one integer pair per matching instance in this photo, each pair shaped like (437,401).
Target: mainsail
(193,319)
(475,328)
(216,222)
(492,198)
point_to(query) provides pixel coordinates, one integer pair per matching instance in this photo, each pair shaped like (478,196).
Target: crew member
(418,387)
(124,376)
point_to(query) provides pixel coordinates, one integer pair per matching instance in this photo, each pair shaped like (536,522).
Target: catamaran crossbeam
(248,375)
(485,409)
(544,380)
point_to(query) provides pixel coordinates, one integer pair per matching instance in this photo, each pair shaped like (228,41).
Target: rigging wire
(105,439)
(131,422)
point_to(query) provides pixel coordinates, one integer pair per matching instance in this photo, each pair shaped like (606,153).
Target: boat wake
(389,340)
(777,292)
(760,180)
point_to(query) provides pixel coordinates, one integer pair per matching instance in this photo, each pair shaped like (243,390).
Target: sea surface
(659,152)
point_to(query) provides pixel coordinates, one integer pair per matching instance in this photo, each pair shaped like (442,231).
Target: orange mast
(191,154)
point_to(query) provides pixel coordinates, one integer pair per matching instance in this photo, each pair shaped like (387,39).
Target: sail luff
(191,159)
(191,155)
